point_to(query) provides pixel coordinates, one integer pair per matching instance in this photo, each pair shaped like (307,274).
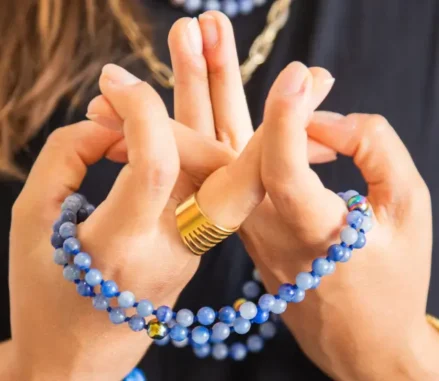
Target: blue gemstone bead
(262,316)
(349,235)
(192,6)
(361,241)
(220,351)
(72,202)
(82,215)
(336,252)
(67,230)
(68,216)
(355,218)
(304,280)
(89,208)
(137,323)
(93,277)
(60,257)
(220,332)
(202,351)
(126,299)
(255,343)
(227,315)
(349,194)
(109,288)
(100,302)
(206,315)
(81,198)
(241,325)
(179,333)
(164,314)
(82,260)
(56,240)
(331,269)
(135,375)
(266,302)
(248,310)
(267,330)
(286,292)
(251,290)
(83,288)
(279,306)
(117,315)
(212,5)
(57,225)
(181,344)
(230,8)
(145,308)
(71,246)
(71,273)
(163,342)
(238,351)
(185,317)
(299,295)
(246,6)
(320,266)
(367,224)
(317,280)
(200,335)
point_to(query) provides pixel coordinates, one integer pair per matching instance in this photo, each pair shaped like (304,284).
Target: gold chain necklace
(259,51)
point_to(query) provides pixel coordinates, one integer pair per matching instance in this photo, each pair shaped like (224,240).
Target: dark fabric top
(385,58)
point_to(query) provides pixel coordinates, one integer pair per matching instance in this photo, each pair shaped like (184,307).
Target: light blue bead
(181,344)
(172,323)
(71,246)
(212,5)
(117,315)
(81,198)
(355,218)
(286,292)
(246,6)
(331,269)
(220,351)
(304,280)
(279,306)
(347,255)
(320,266)
(82,260)
(100,302)
(227,315)
(93,277)
(367,224)
(241,325)
(238,351)
(299,295)
(72,202)
(200,335)
(179,333)
(251,290)
(83,288)
(349,194)
(255,343)
(192,6)
(206,315)
(317,280)
(349,235)
(261,317)
(266,302)
(220,332)
(109,288)
(135,375)
(71,272)
(137,323)
(230,8)
(163,342)
(185,317)
(145,308)
(60,257)
(164,314)
(126,299)
(248,310)
(267,330)
(202,351)
(361,241)
(336,252)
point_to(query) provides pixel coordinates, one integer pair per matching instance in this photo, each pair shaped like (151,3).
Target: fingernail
(329,81)
(330,119)
(105,121)
(194,36)
(119,76)
(209,28)
(294,80)
(324,158)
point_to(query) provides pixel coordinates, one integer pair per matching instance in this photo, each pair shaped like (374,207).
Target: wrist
(9,368)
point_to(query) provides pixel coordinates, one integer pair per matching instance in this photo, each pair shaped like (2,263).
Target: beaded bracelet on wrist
(206,330)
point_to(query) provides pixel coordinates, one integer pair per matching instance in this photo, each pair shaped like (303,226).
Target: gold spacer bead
(238,303)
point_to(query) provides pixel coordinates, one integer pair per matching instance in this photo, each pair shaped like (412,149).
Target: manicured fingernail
(119,76)
(105,121)
(209,29)
(194,36)
(329,81)
(294,80)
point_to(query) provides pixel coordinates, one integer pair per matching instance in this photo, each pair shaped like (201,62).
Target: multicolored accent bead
(157,330)
(358,202)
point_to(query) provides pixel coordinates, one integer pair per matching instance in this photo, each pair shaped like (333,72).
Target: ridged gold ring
(197,231)
(433,321)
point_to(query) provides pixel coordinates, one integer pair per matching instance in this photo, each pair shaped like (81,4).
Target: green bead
(157,330)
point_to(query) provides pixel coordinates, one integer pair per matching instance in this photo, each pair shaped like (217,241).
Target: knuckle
(160,174)
(376,125)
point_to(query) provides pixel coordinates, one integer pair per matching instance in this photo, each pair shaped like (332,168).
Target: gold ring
(197,231)
(433,321)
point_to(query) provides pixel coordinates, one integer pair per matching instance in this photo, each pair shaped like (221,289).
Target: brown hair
(49,50)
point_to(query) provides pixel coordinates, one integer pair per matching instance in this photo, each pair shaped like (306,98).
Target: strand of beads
(168,325)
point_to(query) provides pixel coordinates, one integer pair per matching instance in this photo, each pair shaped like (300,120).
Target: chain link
(259,51)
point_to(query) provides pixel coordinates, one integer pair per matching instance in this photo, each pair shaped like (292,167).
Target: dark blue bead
(164,314)
(261,317)
(56,240)
(82,215)
(89,208)
(178,333)
(286,292)
(336,252)
(57,225)
(135,375)
(109,288)
(72,246)
(227,315)
(361,241)
(68,216)
(84,288)
(317,280)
